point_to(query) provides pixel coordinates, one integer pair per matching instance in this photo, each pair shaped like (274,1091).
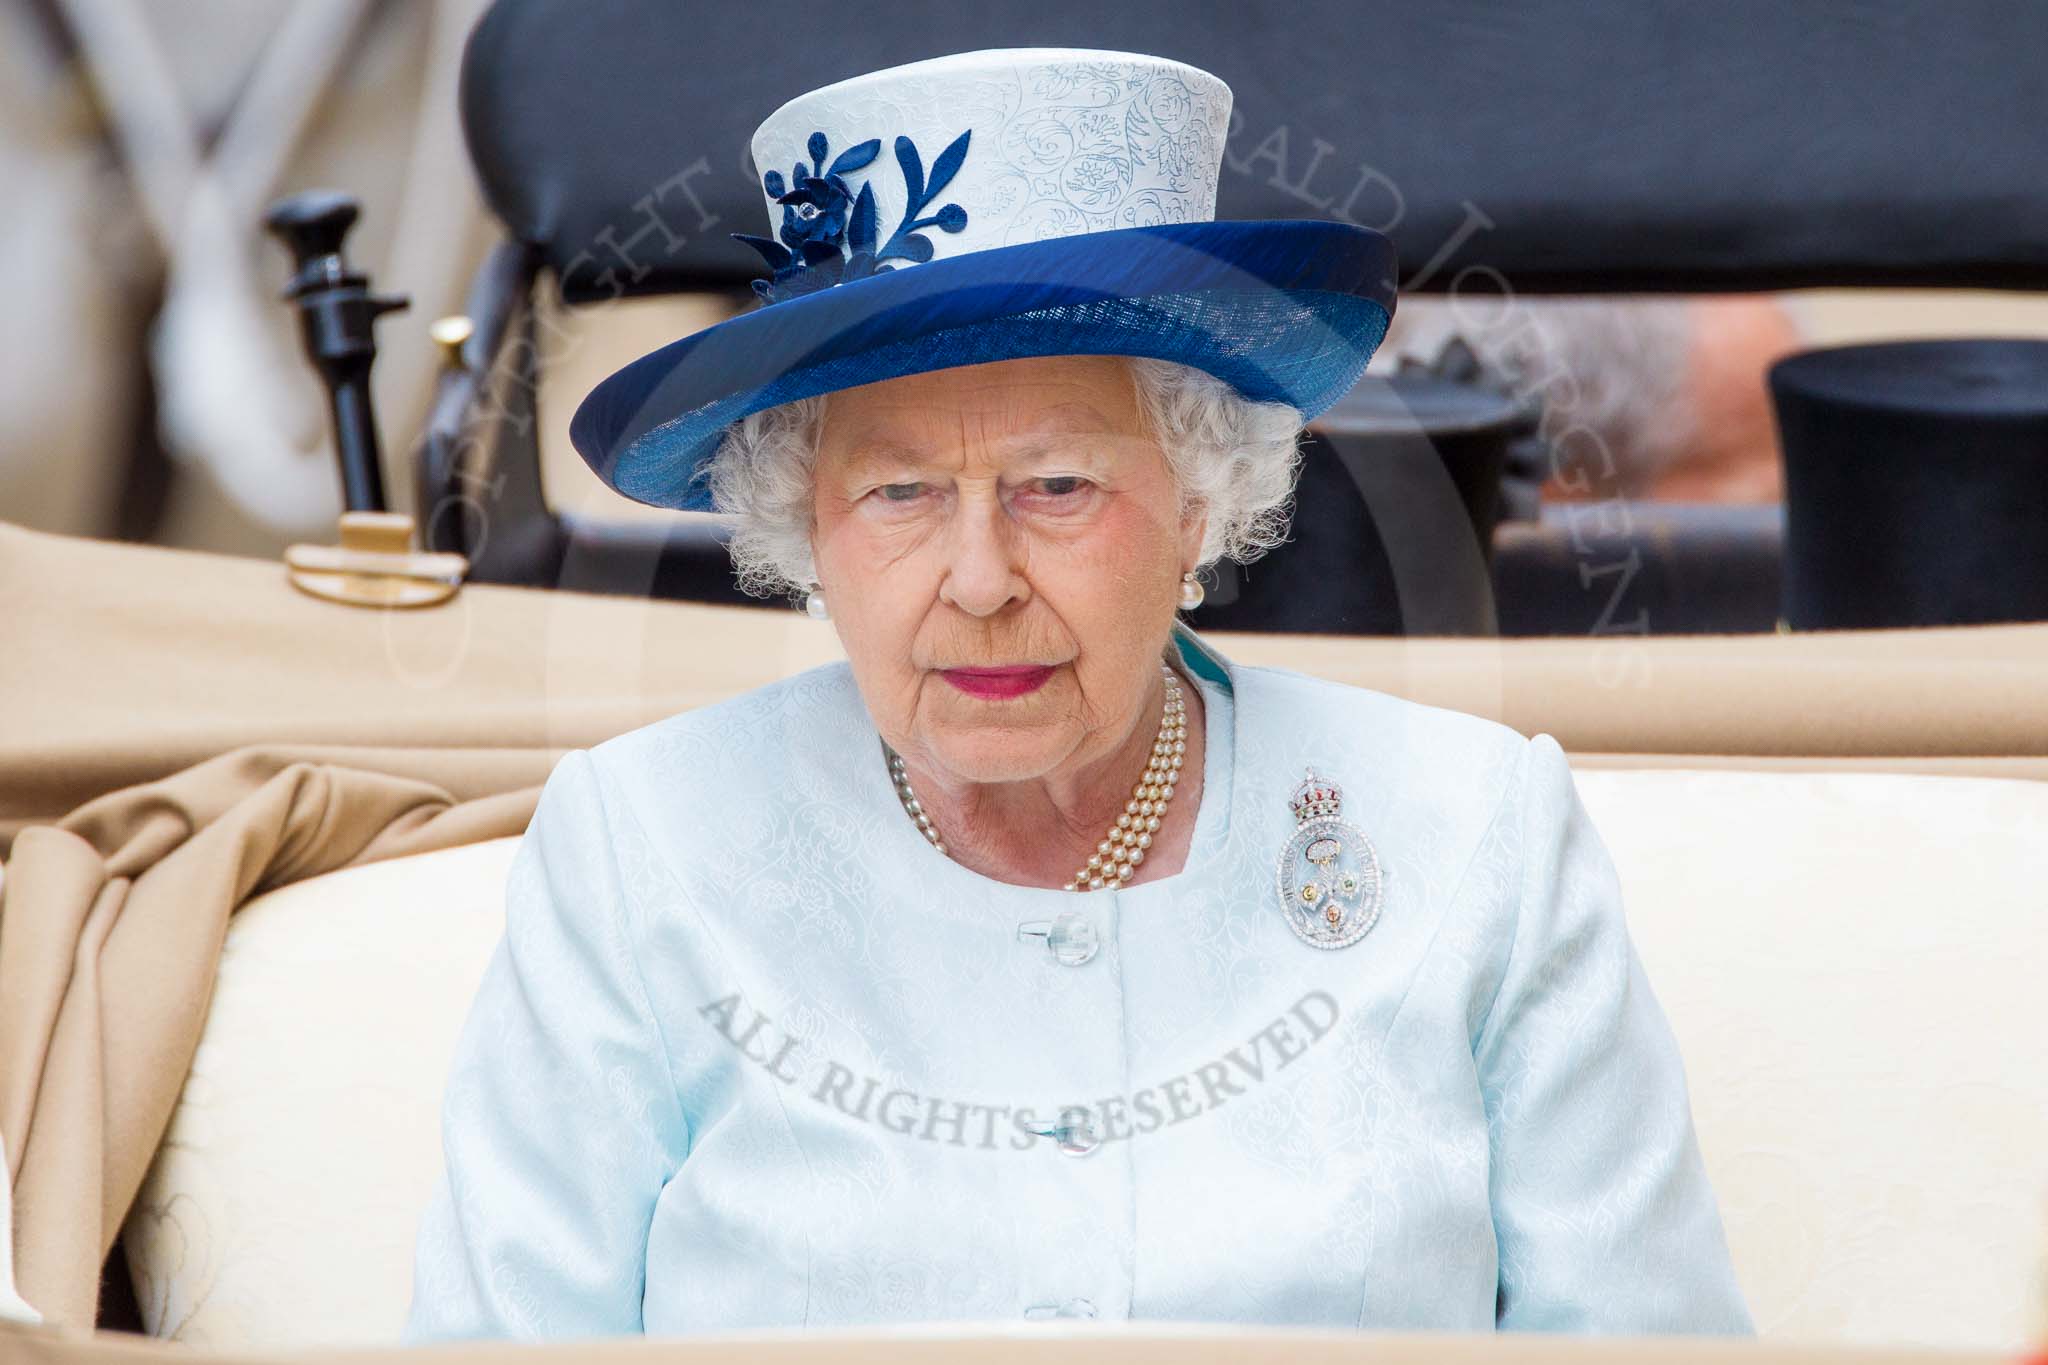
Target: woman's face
(1001,548)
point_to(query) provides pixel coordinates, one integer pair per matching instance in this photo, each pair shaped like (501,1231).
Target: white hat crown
(980,150)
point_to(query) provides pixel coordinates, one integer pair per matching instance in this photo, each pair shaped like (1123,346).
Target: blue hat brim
(1285,311)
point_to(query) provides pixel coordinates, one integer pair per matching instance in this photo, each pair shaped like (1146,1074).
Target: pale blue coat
(753,1054)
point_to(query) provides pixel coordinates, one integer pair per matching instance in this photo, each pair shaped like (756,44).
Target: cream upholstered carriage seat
(1854,963)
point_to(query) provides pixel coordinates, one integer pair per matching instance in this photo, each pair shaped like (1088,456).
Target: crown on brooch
(1315,797)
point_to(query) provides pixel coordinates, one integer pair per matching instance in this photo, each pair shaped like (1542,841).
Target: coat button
(1072,1308)
(1070,939)
(1075,1131)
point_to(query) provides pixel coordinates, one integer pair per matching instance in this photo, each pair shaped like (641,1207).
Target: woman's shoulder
(752,739)
(1349,717)
(1430,776)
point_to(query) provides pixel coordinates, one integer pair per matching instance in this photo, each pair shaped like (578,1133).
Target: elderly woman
(1038,961)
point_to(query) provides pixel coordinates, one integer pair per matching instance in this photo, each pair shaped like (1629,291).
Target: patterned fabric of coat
(754,1054)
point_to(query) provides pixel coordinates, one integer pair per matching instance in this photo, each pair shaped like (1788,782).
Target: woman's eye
(1062,485)
(900,492)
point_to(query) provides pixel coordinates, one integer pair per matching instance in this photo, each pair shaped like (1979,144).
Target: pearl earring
(814,604)
(1191,593)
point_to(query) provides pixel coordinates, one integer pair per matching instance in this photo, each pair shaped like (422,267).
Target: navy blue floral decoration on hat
(829,233)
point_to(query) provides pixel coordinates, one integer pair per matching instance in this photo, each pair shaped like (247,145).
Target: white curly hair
(1233,458)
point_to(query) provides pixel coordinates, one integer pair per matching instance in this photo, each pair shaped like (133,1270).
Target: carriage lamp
(375,565)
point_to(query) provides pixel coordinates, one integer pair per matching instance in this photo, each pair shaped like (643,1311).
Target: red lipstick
(995,683)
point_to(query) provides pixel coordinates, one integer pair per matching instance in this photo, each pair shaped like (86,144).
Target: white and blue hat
(990,206)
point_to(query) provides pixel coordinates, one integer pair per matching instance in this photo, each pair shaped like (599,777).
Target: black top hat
(1394,513)
(1916,483)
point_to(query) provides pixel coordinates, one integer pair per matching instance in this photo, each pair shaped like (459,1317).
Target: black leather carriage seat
(1508,146)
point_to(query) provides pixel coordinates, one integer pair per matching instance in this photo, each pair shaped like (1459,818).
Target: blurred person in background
(1673,386)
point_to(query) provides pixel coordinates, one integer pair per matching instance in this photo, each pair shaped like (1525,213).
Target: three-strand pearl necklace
(1118,855)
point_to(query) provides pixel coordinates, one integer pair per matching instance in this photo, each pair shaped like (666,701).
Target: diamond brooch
(1329,876)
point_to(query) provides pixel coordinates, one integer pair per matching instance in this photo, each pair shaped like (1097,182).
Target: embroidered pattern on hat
(1091,146)
(829,233)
